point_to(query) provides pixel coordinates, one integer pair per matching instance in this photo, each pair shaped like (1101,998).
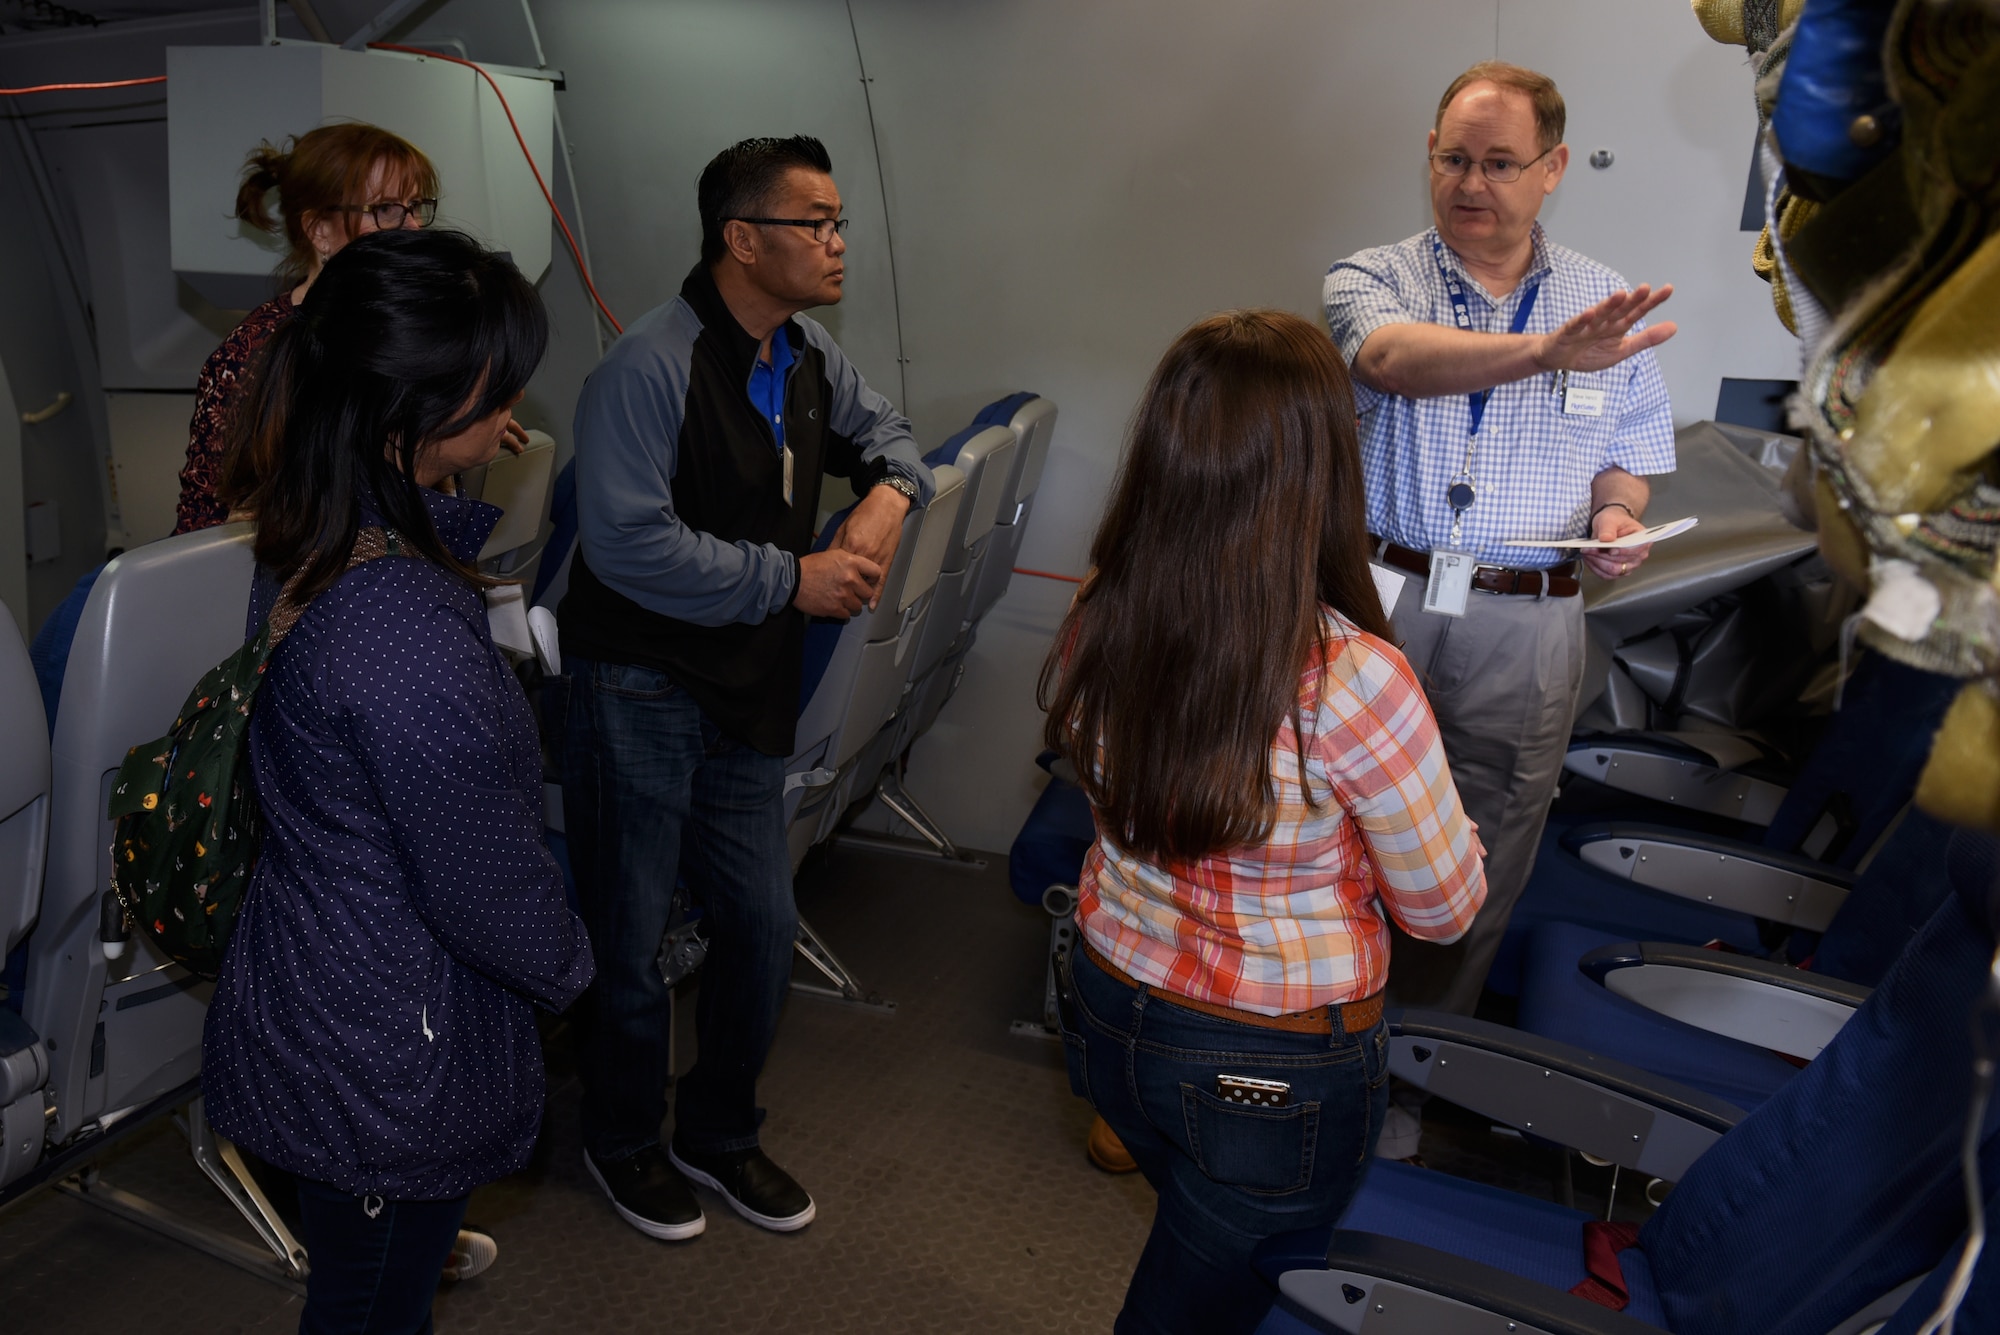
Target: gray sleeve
(880,432)
(628,422)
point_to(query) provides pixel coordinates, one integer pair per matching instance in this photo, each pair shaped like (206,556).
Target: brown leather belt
(1354,1017)
(1555,582)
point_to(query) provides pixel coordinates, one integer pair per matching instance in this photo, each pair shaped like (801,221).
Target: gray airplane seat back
(832,664)
(24,827)
(1033,424)
(987,461)
(122,1031)
(861,682)
(884,660)
(24,787)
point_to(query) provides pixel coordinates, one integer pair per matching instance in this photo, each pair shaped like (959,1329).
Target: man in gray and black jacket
(701,443)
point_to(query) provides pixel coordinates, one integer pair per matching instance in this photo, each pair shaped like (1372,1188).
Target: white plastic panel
(223,100)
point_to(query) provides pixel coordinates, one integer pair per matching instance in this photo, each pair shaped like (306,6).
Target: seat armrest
(1668,769)
(1545,1088)
(1760,882)
(1742,997)
(1390,1287)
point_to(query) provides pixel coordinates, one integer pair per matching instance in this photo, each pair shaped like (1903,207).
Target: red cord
(1048,574)
(69,87)
(574,250)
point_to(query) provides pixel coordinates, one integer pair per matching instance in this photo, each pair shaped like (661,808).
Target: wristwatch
(898,483)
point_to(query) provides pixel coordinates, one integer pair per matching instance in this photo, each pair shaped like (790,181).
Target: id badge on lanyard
(1449,588)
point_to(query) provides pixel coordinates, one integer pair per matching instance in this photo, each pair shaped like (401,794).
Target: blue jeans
(375,1262)
(652,790)
(1228,1175)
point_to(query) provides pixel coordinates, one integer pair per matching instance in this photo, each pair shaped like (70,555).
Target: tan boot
(1106,1150)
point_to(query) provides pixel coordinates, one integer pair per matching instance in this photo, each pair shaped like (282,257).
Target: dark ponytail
(405,338)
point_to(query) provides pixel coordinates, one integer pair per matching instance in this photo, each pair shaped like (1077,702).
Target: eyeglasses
(1502,170)
(823,229)
(391,214)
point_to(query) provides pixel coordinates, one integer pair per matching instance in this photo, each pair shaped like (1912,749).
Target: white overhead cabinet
(223,100)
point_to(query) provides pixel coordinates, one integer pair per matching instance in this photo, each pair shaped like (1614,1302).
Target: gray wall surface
(1070,182)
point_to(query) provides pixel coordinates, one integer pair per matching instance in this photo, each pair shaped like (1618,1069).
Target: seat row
(1688,987)
(100,1033)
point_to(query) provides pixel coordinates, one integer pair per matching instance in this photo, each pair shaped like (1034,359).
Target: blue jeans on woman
(1228,1174)
(375,1262)
(653,790)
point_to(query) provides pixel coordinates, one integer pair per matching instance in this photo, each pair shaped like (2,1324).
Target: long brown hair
(320,171)
(1237,514)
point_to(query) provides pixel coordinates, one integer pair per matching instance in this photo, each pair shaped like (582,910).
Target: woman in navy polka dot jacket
(372,1030)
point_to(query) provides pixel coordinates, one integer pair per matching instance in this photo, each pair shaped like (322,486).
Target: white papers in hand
(1658,533)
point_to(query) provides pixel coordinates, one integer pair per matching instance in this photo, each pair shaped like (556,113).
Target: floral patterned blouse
(224,378)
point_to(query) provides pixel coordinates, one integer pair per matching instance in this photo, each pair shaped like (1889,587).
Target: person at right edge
(1269,791)
(701,440)
(1507,390)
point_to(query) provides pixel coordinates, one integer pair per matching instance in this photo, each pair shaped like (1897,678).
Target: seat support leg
(223,1165)
(936,845)
(845,987)
(1062,940)
(282,1258)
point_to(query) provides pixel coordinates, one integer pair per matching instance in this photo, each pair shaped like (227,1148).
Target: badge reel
(1450,584)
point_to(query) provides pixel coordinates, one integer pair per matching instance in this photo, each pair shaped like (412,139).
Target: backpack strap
(369,544)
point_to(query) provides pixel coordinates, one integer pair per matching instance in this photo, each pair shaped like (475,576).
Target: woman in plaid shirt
(1270,789)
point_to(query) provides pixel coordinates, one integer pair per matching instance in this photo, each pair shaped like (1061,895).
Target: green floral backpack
(187,826)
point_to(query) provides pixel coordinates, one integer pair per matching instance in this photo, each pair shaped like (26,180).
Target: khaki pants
(1503,682)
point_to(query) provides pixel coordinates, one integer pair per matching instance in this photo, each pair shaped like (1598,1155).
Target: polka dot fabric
(373,1024)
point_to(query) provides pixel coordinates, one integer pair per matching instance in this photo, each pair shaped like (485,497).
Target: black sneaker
(649,1195)
(755,1188)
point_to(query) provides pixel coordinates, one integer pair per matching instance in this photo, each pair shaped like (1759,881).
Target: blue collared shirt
(767,383)
(1534,462)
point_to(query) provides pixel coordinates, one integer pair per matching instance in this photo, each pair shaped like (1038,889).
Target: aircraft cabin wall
(1067,186)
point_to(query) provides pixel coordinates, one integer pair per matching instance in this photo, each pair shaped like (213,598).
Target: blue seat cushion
(1563,889)
(1052,843)
(1534,1239)
(947,453)
(1001,411)
(1559,1002)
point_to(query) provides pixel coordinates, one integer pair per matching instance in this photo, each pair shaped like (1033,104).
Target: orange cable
(574,250)
(1048,574)
(71,87)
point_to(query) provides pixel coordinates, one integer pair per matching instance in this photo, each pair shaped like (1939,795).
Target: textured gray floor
(945,1157)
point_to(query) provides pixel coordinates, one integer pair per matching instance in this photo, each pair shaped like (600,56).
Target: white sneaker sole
(787,1224)
(651,1228)
(478,1250)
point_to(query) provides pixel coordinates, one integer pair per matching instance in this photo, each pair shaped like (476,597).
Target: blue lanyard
(1461,315)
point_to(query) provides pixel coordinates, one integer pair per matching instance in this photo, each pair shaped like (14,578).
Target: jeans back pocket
(1263,1150)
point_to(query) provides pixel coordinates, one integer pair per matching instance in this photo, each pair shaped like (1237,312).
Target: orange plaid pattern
(1297,922)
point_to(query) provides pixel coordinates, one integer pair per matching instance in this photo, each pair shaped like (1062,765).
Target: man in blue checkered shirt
(1507,390)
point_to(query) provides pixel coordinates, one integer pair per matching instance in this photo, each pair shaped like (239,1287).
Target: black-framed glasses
(391,214)
(823,229)
(1502,170)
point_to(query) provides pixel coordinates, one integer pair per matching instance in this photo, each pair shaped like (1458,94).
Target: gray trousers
(1503,683)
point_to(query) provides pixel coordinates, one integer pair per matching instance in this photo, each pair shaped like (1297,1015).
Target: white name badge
(1450,584)
(1579,402)
(1388,586)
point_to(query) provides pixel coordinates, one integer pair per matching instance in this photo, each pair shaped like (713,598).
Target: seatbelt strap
(1602,1242)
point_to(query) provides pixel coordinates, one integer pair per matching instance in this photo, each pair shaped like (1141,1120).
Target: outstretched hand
(1601,336)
